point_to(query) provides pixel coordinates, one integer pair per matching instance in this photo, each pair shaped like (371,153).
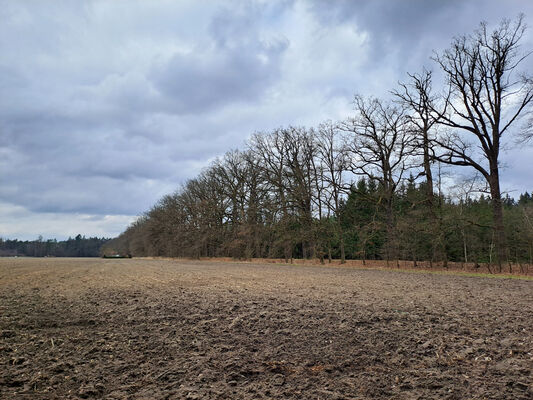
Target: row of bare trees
(289,192)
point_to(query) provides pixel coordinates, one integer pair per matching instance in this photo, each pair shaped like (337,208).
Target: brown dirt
(157,329)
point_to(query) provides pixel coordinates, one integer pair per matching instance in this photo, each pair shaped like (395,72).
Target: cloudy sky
(105,106)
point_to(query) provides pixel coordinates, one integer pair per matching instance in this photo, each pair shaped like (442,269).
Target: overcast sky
(105,106)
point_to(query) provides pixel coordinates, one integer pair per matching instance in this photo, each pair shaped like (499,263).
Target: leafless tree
(333,157)
(381,149)
(486,95)
(301,177)
(419,100)
(270,151)
(238,176)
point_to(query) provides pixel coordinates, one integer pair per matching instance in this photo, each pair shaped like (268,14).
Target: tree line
(371,186)
(80,246)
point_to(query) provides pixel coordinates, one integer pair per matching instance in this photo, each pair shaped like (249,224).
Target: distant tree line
(371,186)
(80,246)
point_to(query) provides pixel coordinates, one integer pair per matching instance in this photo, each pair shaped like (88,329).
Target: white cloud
(17,222)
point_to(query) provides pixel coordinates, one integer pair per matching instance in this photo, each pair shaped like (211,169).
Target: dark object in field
(116,256)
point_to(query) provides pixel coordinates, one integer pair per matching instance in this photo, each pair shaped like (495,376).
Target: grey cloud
(42,189)
(407,32)
(198,84)
(237,66)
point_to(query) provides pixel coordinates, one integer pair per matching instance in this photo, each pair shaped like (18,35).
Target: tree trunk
(427,171)
(390,228)
(343,252)
(497,215)
(464,246)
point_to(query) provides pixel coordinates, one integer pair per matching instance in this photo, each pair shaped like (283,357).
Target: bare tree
(381,150)
(256,195)
(300,174)
(486,95)
(417,97)
(269,149)
(334,165)
(206,205)
(239,180)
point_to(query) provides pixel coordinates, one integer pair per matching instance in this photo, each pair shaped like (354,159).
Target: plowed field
(157,329)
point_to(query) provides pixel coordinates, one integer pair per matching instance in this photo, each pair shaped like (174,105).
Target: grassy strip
(417,271)
(453,272)
(469,274)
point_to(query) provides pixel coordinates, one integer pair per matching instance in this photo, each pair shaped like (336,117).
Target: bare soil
(158,329)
